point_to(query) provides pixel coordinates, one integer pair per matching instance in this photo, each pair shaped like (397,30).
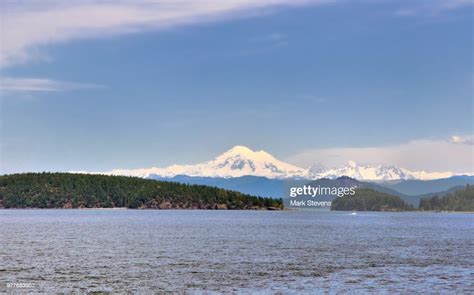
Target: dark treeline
(370,200)
(66,190)
(460,200)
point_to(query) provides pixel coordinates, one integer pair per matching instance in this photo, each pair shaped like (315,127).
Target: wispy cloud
(28,25)
(453,154)
(8,85)
(463,139)
(25,25)
(274,38)
(431,7)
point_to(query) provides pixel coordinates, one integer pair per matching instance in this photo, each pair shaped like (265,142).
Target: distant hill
(347,181)
(442,193)
(423,187)
(370,200)
(274,188)
(265,187)
(65,190)
(459,200)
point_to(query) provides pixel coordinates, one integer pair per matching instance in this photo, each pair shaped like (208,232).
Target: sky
(98,85)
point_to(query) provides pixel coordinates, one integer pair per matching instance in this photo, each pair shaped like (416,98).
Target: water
(241,251)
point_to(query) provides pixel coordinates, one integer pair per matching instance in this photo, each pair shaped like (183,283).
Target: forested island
(460,200)
(370,200)
(66,190)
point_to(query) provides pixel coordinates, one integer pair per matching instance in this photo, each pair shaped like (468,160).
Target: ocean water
(235,251)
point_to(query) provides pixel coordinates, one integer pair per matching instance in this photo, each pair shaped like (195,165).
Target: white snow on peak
(239,149)
(241,161)
(238,161)
(381,172)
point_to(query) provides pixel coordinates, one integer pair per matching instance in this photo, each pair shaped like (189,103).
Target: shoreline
(146,209)
(262,209)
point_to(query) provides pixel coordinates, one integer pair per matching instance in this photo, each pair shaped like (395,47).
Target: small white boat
(354,213)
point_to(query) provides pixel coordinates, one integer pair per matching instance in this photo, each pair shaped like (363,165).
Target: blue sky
(89,86)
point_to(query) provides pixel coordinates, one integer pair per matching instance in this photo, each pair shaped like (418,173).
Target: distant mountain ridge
(265,187)
(241,161)
(418,187)
(252,185)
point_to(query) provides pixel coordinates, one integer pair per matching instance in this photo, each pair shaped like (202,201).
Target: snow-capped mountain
(241,161)
(238,161)
(382,172)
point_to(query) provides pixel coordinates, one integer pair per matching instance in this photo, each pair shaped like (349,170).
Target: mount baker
(242,161)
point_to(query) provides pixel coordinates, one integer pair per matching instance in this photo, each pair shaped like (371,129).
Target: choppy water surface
(243,251)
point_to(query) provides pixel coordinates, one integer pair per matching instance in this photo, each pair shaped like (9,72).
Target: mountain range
(259,173)
(241,161)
